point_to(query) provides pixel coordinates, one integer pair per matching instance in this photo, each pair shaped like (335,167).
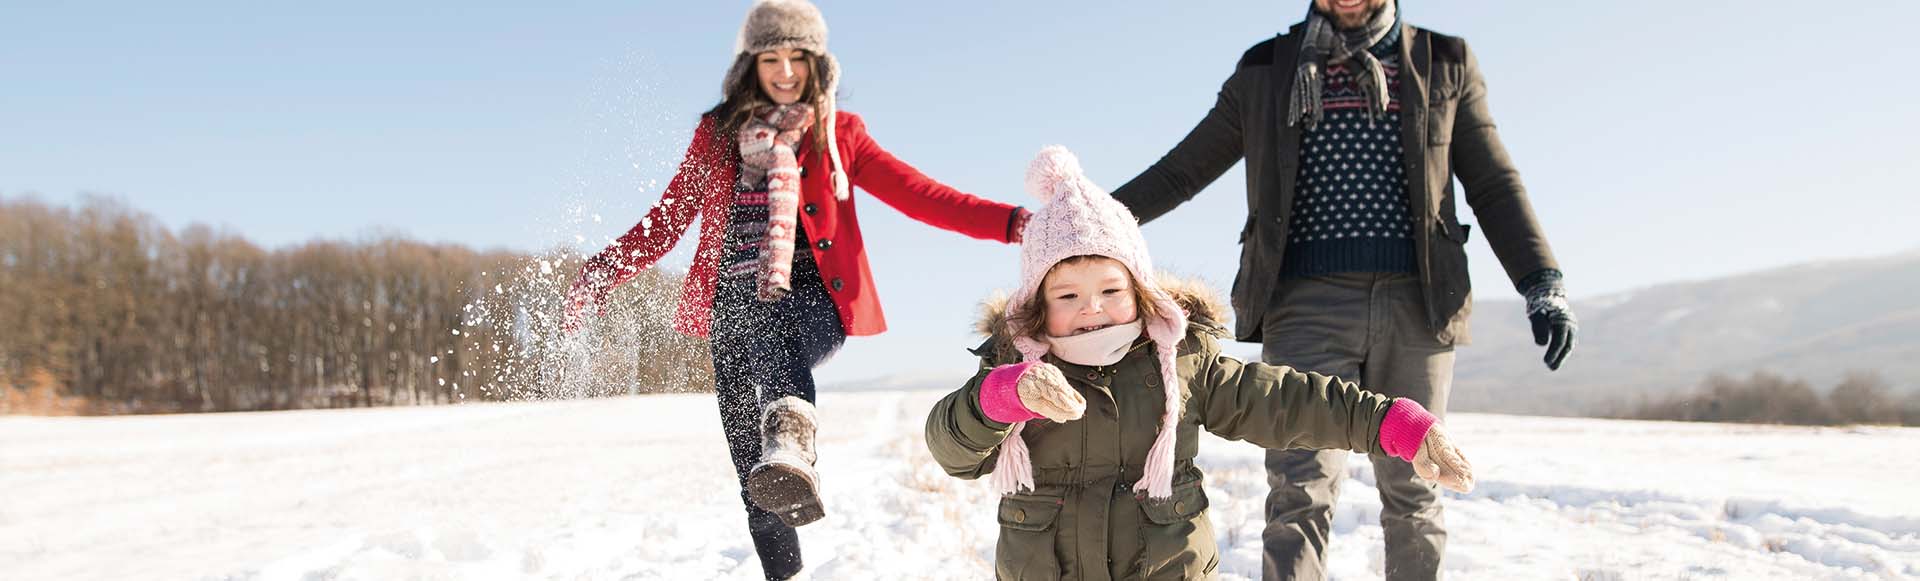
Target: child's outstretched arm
(965,429)
(1279,407)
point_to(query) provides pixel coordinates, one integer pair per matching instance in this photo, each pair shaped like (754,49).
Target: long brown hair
(744,96)
(1030,319)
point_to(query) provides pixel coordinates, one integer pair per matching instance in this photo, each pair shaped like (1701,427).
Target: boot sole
(788,492)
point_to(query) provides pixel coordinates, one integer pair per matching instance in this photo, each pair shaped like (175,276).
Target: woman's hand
(580,299)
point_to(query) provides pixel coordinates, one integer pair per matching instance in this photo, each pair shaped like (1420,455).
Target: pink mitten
(1029,391)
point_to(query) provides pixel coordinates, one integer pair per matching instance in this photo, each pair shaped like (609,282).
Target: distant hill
(1814,321)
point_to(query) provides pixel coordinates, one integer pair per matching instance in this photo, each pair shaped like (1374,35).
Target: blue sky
(1661,141)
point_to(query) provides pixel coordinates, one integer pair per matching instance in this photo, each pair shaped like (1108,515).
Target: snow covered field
(639,488)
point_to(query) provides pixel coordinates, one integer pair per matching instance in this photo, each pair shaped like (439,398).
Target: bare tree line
(107,311)
(1767,398)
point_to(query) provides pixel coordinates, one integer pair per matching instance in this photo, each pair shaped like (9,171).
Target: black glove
(1553,322)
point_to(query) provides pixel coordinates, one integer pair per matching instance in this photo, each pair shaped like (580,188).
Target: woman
(780,277)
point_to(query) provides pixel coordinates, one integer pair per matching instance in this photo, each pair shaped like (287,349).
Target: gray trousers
(1368,328)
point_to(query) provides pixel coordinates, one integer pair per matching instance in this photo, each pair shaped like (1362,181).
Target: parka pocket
(1187,500)
(1179,539)
(1027,538)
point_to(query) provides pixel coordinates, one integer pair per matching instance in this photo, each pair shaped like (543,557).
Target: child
(1125,372)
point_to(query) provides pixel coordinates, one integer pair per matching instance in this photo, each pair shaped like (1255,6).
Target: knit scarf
(767,144)
(1325,45)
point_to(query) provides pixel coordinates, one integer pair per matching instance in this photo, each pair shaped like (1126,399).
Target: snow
(640,488)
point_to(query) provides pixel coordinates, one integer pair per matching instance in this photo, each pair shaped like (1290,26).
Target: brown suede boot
(784,482)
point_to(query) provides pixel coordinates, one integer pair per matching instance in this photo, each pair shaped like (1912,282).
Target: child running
(1094,383)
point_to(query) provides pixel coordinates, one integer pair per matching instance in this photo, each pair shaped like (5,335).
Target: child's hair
(1030,319)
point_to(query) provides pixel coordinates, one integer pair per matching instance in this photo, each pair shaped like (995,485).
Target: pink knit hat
(1081,219)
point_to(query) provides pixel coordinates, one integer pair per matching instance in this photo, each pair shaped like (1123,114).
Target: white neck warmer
(1097,348)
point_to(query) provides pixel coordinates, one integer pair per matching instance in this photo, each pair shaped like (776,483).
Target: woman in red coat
(780,276)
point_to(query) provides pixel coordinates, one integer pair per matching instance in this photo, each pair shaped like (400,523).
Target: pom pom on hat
(1052,172)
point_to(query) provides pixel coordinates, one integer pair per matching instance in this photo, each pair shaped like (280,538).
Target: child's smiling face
(1088,295)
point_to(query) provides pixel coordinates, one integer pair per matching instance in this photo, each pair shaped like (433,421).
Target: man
(1352,263)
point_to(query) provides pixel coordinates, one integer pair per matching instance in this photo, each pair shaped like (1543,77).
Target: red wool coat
(704,186)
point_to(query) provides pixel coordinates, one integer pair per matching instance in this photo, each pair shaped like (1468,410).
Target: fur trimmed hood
(1207,313)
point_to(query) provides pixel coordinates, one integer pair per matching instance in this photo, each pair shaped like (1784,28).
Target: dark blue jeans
(763,352)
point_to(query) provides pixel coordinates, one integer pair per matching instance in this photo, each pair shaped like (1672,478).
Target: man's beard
(1350,22)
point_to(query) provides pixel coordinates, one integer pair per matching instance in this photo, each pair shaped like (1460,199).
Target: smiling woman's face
(783,74)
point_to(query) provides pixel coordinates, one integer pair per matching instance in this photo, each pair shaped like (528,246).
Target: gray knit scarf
(1326,45)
